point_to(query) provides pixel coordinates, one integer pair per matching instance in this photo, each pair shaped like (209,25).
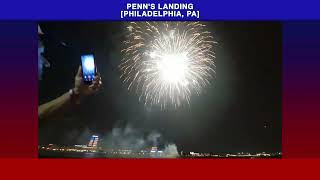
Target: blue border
(110,9)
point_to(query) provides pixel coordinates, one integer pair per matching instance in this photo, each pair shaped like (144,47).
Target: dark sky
(239,111)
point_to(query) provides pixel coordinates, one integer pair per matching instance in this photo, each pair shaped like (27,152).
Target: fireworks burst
(166,62)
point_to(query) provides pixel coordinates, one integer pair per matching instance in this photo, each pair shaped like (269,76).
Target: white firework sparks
(166,62)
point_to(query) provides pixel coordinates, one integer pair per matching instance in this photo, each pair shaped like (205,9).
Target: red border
(159,169)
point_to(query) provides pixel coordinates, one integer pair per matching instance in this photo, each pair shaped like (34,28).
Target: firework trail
(166,62)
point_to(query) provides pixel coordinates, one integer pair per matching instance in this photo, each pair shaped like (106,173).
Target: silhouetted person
(72,97)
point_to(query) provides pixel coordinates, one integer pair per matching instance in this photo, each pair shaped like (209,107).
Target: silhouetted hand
(82,89)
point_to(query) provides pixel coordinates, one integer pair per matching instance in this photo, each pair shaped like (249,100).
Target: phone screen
(88,67)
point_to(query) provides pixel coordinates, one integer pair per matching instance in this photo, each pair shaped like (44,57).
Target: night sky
(239,111)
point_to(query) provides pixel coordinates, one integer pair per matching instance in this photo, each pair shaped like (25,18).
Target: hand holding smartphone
(89,69)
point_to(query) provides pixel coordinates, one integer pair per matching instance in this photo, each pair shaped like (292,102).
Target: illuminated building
(154,149)
(93,141)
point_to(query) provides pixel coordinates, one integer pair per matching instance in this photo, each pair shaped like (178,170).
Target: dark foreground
(51,154)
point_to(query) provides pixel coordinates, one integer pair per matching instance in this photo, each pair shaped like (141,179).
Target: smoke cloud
(137,140)
(171,151)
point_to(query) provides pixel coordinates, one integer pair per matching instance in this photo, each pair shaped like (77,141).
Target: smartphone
(88,68)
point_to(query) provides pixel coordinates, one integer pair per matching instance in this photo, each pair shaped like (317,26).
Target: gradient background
(19,89)
(301,89)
